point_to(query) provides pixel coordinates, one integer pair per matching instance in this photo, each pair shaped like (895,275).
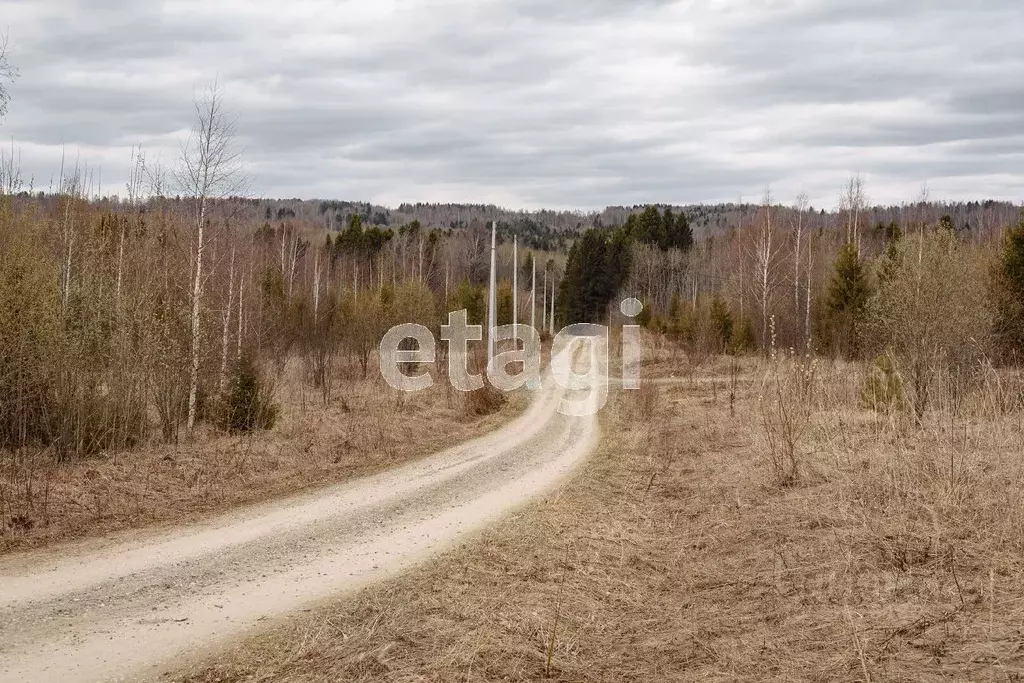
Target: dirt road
(130,611)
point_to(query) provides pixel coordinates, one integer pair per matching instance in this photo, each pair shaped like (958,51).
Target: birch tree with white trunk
(853,202)
(209,170)
(766,267)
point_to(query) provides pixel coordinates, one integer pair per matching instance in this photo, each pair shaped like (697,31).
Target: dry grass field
(366,427)
(757,522)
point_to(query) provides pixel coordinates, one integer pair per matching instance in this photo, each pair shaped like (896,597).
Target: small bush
(883,389)
(248,404)
(786,405)
(484,401)
(743,340)
(87,420)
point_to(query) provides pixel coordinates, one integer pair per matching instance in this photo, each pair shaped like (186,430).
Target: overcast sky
(537,103)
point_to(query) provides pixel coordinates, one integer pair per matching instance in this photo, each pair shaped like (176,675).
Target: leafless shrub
(934,315)
(786,405)
(8,72)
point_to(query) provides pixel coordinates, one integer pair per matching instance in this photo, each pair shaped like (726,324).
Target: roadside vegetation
(820,488)
(182,348)
(759,519)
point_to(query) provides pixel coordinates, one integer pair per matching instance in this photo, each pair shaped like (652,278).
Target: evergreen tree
(946,223)
(665,231)
(248,404)
(721,324)
(846,303)
(471,297)
(504,301)
(1009,286)
(596,270)
(891,260)
(680,235)
(743,337)
(668,222)
(675,307)
(650,229)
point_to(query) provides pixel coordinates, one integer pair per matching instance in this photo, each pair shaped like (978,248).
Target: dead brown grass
(366,427)
(895,555)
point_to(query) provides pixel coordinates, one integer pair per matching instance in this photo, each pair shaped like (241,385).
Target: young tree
(367,318)
(933,314)
(1009,293)
(853,203)
(845,305)
(808,339)
(722,325)
(209,169)
(766,255)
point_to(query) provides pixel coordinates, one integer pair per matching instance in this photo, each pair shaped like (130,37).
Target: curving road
(130,611)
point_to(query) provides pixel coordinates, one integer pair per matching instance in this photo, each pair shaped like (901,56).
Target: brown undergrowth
(678,553)
(366,427)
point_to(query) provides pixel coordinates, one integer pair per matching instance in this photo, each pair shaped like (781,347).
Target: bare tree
(136,175)
(209,169)
(853,202)
(10,171)
(934,314)
(765,256)
(70,193)
(7,73)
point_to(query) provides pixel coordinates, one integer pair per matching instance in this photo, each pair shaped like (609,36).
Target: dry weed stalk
(558,613)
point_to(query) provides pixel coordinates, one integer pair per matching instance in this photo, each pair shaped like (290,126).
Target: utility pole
(533,294)
(544,302)
(551,319)
(515,290)
(492,315)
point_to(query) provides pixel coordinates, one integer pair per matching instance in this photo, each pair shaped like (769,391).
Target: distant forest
(554,231)
(541,229)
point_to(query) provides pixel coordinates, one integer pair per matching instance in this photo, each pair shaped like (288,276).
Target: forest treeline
(99,333)
(124,319)
(975,217)
(559,227)
(134,318)
(932,303)
(103,344)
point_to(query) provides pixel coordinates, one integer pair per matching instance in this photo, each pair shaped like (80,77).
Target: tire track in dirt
(129,611)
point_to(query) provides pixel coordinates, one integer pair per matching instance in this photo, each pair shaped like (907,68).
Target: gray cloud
(529,103)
